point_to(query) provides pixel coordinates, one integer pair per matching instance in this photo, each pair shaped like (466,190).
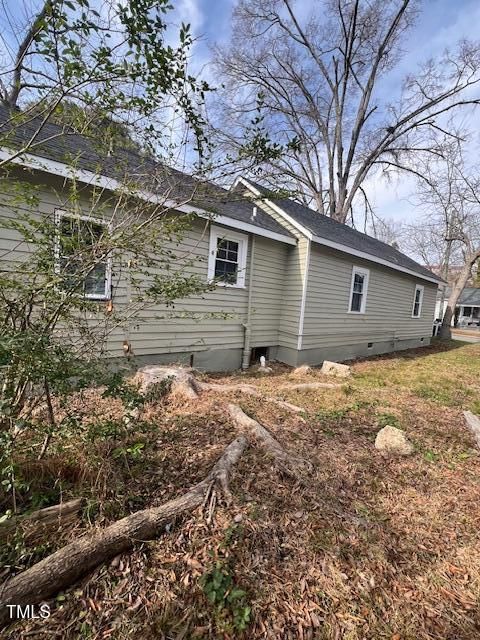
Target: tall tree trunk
(458,287)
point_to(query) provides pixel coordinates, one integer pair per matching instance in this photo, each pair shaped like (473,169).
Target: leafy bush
(229,601)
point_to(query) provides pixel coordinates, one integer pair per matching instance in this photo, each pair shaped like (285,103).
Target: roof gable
(324,230)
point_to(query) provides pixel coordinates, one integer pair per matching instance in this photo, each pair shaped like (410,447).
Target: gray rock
(304,370)
(264,370)
(393,441)
(335,369)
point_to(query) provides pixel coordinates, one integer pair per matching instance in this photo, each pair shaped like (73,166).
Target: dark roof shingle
(63,145)
(325,227)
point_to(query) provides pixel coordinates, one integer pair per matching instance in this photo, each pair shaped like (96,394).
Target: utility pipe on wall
(247,325)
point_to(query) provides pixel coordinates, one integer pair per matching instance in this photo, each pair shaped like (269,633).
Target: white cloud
(190,12)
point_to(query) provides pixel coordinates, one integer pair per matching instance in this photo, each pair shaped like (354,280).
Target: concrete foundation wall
(349,352)
(231,359)
(208,360)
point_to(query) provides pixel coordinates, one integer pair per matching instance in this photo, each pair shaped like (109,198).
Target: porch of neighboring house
(467,316)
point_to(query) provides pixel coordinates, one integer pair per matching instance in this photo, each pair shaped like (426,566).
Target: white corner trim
(304,298)
(362,271)
(242,239)
(88,177)
(330,243)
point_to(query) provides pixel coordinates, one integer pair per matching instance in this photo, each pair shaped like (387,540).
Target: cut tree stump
(185,384)
(38,524)
(65,566)
(183,381)
(473,423)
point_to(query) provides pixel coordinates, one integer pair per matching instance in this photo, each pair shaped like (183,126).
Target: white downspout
(247,324)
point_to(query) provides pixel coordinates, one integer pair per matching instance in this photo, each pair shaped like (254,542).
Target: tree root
(68,564)
(294,466)
(37,524)
(310,386)
(250,390)
(65,566)
(186,385)
(473,423)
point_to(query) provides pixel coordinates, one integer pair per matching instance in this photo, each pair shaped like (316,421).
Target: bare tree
(101,57)
(311,86)
(449,235)
(386,230)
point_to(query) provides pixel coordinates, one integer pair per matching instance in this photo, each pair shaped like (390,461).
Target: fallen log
(291,464)
(473,423)
(310,386)
(250,390)
(65,566)
(37,524)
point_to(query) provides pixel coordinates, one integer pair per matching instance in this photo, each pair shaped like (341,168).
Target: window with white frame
(358,290)
(417,301)
(80,255)
(227,258)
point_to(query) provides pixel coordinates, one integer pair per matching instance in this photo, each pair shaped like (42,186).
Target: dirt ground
(366,547)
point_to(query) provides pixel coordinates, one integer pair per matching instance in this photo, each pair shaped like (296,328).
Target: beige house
(291,284)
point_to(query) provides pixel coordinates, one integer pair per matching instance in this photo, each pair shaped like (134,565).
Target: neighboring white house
(467,311)
(292,284)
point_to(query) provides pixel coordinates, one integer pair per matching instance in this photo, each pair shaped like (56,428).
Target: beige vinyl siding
(157,329)
(295,268)
(15,253)
(388,314)
(161,330)
(270,261)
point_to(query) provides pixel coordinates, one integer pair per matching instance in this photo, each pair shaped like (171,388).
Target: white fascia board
(251,228)
(299,227)
(88,177)
(330,243)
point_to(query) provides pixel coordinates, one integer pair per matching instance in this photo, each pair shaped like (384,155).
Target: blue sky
(442,23)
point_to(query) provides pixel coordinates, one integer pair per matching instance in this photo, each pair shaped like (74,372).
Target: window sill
(230,286)
(356,313)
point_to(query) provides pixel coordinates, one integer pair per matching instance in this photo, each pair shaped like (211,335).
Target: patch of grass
(431,456)
(447,373)
(475,407)
(437,394)
(384,419)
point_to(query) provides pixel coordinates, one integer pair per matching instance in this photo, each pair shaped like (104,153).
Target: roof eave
(62,170)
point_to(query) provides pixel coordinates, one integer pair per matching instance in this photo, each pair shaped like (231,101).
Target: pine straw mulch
(366,548)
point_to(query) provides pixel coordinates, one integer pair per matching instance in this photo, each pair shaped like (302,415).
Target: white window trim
(361,271)
(58,215)
(217,233)
(421,288)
